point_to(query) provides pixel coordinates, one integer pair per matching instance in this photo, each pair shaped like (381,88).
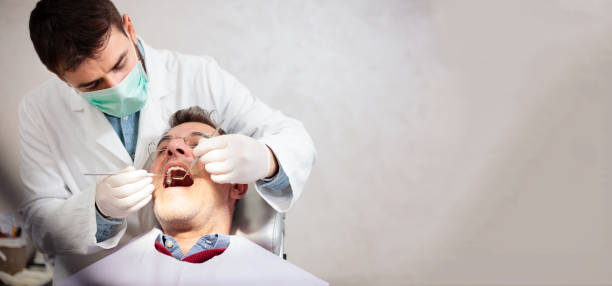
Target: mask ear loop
(140,57)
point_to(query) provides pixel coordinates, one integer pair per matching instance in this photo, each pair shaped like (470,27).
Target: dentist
(111,98)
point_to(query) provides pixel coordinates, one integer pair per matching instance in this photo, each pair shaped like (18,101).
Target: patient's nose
(177,148)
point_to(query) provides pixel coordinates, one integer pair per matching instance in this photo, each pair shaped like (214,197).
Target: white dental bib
(242,263)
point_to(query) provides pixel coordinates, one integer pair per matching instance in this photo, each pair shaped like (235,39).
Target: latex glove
(234,158)
(119,195)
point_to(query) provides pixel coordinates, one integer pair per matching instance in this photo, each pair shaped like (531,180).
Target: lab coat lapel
(152,123)
(97,127)
(150,127)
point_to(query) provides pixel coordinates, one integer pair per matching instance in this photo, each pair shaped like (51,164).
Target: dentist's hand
(236,159)
(119,195)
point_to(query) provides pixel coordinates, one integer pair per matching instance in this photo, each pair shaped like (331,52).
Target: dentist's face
(110,66)
(194,198)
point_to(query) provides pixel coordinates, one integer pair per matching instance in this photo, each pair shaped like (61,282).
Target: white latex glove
(119,195)
(234,158)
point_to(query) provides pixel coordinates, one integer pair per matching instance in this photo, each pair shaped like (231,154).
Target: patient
(195,215)
(194,212)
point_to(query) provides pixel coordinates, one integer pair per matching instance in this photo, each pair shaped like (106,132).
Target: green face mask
(128,97)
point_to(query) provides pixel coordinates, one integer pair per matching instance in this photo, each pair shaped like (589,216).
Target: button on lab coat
(62,137)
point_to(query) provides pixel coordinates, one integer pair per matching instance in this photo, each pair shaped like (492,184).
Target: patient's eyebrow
(165,137)
(200,134)
(196,133)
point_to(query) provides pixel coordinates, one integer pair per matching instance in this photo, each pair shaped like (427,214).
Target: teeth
(169,173)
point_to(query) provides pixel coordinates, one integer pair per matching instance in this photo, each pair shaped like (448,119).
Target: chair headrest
(256,220)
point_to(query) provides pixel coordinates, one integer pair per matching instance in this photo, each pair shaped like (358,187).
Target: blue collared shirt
(206,242)
(106,227)
(127,130)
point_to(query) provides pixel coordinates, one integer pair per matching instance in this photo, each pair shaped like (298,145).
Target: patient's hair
(193,114)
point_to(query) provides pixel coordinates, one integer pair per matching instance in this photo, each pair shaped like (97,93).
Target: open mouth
(177,176)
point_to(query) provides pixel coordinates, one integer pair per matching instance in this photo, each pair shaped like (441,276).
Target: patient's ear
(238,191)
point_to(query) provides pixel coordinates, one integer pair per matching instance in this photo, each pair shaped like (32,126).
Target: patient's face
(196,196)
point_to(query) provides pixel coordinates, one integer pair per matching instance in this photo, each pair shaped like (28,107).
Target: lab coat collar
(77,102)
(157,72)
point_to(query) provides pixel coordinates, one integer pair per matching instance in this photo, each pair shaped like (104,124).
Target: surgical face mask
(128,97)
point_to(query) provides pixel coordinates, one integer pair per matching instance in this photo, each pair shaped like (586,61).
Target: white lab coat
(62,136)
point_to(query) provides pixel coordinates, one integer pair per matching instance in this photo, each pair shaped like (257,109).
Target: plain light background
(459,142)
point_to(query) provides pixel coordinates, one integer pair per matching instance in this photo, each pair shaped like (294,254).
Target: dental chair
(256,220)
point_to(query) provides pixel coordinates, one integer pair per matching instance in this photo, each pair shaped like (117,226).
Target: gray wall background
(459,142)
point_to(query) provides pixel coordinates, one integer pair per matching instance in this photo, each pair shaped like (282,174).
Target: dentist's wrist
(272,164)
(100,212)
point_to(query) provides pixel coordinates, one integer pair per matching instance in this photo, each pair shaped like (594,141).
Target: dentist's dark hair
(66,32)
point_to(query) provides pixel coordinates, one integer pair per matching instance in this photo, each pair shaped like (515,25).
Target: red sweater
(199,257)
